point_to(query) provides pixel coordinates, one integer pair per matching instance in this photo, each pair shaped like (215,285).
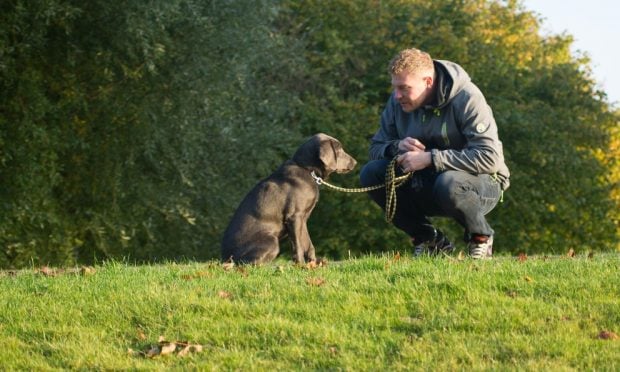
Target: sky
(591,23)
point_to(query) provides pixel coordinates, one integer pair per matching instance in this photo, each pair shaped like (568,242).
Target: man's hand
(410,144)
(414,158)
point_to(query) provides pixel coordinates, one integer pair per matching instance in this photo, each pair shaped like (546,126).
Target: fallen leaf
(522,257)
(571,253)
(87,270)
(243,271)
(396,257)
(315,282)
(168,348)
(164,347)
(461,256)
(47,271)
(321,262)
(190,348)
(607,335)
(141,335)
(185,351)
(196,275)
(153,352)
(512,294)
(311,265)
(591,255)
(528,279)
(225,294)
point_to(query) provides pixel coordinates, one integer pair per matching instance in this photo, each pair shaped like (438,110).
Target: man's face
(411,90)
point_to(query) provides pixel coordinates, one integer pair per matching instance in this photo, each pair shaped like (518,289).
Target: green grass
(373,313)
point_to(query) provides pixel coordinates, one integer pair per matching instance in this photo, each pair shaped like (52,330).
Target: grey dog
(280,205)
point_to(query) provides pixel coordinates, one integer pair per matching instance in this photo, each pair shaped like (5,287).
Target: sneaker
(480,247)
(433,247)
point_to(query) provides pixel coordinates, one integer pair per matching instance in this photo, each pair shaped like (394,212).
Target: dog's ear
(328,153)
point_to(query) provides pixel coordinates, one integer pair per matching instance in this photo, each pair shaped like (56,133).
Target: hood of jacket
(450,79)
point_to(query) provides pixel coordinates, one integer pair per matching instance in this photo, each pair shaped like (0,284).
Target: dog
(280,205)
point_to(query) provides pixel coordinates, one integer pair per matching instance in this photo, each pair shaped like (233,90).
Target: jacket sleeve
(482,153)
(385,141)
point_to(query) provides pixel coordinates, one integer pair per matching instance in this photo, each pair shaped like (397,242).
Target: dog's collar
(316,178)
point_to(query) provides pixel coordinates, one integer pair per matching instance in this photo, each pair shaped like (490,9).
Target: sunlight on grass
(367,314)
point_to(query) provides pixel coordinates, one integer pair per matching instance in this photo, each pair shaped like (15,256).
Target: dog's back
(256,227)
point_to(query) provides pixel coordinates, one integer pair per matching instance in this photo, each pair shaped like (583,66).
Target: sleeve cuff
(435,161)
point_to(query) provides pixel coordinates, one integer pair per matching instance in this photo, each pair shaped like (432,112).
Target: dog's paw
(313,264)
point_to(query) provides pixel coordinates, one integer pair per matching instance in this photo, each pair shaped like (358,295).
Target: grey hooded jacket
(457,127)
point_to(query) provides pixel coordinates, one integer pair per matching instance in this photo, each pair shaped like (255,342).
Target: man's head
(413,77)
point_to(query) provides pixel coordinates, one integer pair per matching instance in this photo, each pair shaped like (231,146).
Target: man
(439,126)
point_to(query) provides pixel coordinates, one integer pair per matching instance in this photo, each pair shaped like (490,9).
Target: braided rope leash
(391,184)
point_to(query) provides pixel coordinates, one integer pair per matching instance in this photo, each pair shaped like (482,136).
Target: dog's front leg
(309,253)
(300,238)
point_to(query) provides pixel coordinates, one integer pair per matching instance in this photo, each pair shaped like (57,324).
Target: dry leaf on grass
(163,348)
(522,257)
(196,275)
(141,335)
(333,350)
(87,270)
(571,253)
(52,272)
(189,348)
(47,271)
(607,335)
(225,294)
(315,282)
(168,348)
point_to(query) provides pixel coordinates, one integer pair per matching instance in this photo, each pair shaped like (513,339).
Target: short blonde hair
(411,60)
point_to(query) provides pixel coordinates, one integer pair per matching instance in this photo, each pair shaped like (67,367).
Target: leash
(391,183)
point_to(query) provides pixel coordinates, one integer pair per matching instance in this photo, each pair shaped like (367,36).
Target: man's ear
(429,81)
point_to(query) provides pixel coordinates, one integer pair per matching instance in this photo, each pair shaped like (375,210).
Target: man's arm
(483,152)
(384,144)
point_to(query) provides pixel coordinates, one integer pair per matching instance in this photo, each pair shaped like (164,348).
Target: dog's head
(325,153)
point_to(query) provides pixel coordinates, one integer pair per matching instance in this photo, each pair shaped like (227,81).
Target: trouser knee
(445,189)
(373,173)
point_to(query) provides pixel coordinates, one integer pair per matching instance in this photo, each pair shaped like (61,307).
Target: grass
(373,313)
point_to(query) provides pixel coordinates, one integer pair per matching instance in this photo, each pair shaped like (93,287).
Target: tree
(130,130)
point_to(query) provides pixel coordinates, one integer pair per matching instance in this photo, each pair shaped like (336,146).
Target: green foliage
(133,129)
(375,313)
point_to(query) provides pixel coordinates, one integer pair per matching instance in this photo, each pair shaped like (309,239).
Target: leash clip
(317,179)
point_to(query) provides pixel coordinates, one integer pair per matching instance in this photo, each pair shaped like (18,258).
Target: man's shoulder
(469,92)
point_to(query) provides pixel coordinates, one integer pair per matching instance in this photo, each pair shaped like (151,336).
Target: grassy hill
(388,312)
